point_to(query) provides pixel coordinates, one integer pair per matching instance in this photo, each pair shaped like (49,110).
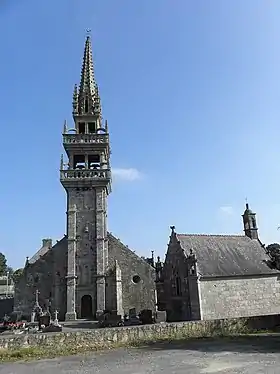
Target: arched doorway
(86,306)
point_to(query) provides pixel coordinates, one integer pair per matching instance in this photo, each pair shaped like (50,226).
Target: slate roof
(226,255)
(43,250)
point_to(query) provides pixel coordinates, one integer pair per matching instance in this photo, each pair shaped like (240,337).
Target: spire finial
(172,229)
(87,90)
(65,127)
(88,32)
(26,261)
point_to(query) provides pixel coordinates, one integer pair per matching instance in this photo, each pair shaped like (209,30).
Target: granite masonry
(89,270)
(218,276)
(95,339)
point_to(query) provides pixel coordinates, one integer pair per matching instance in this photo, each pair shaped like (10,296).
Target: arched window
(178,286)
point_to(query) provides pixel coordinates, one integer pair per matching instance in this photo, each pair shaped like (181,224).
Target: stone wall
(139,295)
(84,230)
(239,297)
(47,274)
(114,337)
(181,301)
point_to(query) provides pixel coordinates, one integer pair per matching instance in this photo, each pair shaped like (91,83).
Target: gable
(44,250)
(226,255)
(126,251)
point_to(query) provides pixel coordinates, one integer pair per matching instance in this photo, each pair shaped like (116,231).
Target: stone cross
(37,297)
(37,305)
(55,318)
(172,229)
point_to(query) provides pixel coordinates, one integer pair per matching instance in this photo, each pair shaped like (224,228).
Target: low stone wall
(112,337)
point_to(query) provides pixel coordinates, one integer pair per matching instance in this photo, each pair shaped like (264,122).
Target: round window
(136,279)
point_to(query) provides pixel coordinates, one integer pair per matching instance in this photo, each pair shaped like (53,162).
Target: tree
(10,270)
(4,268)
(3,264)
(273,250)
(17,275)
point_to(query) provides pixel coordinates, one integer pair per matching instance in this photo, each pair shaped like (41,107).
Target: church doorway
(86,307)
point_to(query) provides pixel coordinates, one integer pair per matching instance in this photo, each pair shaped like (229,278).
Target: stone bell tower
(86,177)
(250,223)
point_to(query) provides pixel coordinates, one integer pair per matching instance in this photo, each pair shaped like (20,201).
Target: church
(88,270)
(218,276)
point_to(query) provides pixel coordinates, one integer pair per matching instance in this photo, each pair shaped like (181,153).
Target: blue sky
(191,91)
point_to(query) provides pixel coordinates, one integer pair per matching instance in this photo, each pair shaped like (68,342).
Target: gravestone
(55,322)
(33,317)
(146,316)
(132,313)
(160,316)
(44,320)
(133,318)
(53,328)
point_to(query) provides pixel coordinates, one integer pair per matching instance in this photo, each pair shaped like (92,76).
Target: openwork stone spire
(87,85)
(86,100)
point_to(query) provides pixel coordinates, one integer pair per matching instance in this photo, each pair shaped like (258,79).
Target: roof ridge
(134,252)
(220,235)
(44,250)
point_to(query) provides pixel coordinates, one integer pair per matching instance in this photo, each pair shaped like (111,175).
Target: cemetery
(42,332)
(44,321)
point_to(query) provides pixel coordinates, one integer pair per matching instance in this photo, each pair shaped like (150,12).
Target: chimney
(47,243)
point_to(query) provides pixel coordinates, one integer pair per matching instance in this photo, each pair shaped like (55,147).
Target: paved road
(248,356)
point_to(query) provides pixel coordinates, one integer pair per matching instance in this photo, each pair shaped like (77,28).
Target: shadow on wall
(81,325)
(6,306)
(243,344)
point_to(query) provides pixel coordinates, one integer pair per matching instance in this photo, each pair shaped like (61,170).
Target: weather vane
(88,31)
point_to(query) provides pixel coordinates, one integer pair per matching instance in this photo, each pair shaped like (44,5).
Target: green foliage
(273,250)
(17,274)
(10,270)
(3,264)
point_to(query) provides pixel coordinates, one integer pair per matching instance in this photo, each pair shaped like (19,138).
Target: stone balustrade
(85,138)
(85,174)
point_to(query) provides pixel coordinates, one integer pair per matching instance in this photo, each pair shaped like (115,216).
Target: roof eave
(220,277)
